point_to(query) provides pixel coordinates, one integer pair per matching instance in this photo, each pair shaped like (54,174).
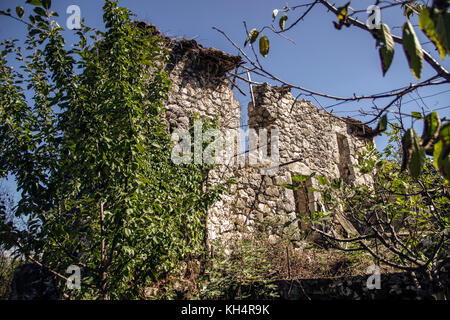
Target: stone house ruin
(309,140)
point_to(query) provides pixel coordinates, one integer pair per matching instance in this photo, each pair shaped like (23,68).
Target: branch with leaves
(434,21)
(402,222)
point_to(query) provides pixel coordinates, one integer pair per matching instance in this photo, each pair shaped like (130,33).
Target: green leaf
(299,178)
(128,250)
(413,50)
(337,183)
(232,181)
(441,152)
(438,147)
(432,122)
(322,180)
(441,159)
(20,11)
(252,36)
(40,11)
(35,2)
(386,44)
(282,21)
(46,4)
(414,154)
(289,186)
(34,32)
(327,197)
(274,14)
(416,115)
(443,30)
(382,124)
(444,134)
(264,46)
(428,26)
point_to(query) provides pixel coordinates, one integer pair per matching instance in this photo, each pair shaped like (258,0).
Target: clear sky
(339,62)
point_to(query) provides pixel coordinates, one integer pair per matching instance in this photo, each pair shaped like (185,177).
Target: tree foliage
(81,130)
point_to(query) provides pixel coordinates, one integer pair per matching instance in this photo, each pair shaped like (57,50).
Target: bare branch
(440,70)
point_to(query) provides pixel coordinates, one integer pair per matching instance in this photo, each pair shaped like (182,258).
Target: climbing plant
(81,130)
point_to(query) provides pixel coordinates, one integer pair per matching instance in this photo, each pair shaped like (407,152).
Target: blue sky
(339,62)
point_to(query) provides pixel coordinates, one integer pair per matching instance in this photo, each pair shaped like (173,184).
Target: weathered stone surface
(311,140)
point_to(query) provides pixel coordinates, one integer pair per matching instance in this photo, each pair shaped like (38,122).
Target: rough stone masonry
(311,140)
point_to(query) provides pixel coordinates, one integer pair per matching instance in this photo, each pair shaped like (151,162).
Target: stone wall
(201,88)
(309,140)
